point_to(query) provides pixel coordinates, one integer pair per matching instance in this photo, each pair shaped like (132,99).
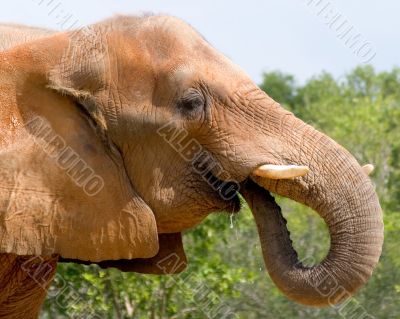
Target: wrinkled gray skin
(14,34)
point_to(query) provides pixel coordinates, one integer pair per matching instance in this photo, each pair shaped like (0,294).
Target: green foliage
(281,87)
(362,112)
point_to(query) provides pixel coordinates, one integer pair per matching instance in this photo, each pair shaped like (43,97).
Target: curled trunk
(342,194)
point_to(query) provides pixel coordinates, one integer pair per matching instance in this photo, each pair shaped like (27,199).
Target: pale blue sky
(288,35)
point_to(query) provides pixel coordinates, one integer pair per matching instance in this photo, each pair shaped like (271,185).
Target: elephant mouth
(228,191)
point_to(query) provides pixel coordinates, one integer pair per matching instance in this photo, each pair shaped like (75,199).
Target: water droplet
(231,219)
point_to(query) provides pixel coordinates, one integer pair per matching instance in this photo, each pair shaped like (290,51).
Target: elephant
(119,136)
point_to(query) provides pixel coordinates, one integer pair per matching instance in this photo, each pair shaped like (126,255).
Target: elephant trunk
(342,194)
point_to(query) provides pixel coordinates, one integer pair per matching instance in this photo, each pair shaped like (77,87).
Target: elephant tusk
(368,169)
(281,171)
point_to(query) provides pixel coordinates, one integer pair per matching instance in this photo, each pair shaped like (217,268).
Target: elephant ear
(63,187)
(170,259)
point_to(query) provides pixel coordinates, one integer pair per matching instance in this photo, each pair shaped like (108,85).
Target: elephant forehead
(175,27)
(174,45)
(182,74)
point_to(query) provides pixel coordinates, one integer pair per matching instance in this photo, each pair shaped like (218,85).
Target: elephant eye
(192,102)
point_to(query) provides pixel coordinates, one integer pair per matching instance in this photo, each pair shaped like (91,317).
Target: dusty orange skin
(105,92)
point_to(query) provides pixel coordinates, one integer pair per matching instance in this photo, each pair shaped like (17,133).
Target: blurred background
(335,64)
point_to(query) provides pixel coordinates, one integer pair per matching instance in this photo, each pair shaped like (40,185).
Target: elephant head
(119,136)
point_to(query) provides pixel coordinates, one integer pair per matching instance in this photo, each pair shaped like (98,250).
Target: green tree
(281,87)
